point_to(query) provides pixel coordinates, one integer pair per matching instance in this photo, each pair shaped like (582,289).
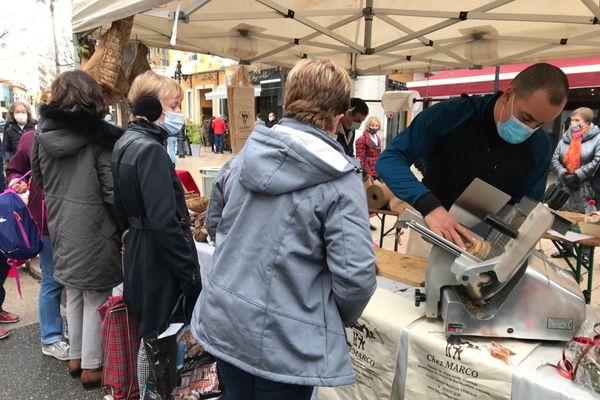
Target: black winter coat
(12,134)
(160,259)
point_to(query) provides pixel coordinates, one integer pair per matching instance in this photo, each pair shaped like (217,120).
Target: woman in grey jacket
(577,157)
(71,164)
(294,258)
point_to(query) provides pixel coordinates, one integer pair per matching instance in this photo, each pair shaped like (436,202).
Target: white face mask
(21,118)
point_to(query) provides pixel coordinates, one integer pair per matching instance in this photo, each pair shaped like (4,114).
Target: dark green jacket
(71,163)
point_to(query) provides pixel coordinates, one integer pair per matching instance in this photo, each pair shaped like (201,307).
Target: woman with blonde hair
(160,259)
(284,215)
(368,147)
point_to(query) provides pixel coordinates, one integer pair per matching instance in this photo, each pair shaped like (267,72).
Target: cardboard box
(589,229)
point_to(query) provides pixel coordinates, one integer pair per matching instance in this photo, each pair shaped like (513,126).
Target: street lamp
(178,75)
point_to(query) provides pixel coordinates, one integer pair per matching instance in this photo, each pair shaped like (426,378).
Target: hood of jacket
(592,132)
(64,132)
(291,156)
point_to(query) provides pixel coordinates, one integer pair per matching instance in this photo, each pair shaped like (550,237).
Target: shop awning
(221,93)
(581,73)
(364,36)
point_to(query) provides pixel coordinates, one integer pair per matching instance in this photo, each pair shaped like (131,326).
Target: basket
(208,178)
(197,204)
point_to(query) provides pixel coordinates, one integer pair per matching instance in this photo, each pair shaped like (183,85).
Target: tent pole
(368,14)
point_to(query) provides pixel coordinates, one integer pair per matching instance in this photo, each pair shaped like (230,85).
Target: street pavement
(25,373)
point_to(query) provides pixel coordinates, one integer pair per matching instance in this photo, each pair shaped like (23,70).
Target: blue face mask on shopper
(173,122)
(513,130)
(355,125)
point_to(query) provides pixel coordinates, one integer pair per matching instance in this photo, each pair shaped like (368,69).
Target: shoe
(372,227)
(3,333)
(91,378)
(74,368)
(8,318)
(58,350)
(561,254)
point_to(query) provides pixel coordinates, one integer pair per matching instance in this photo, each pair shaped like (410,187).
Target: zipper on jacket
(22,229)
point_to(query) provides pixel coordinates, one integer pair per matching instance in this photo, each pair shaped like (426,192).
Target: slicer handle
(501,226)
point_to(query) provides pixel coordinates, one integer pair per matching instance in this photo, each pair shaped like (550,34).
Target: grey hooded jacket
(294,258)
(590,161)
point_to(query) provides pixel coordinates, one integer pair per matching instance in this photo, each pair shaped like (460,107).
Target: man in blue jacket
(497,138)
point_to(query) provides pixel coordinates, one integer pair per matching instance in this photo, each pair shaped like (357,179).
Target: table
(529,382)
(580,248)
(381,214)
(399,267)
(407,270)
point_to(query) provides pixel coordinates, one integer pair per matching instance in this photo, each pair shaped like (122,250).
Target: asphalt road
(27,374)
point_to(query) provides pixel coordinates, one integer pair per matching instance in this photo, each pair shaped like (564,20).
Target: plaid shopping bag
(120,343)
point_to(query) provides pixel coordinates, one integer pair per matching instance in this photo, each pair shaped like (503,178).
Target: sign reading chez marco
(458,369)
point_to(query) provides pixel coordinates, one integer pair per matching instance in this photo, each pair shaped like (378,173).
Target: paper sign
(375,341)
(459,369)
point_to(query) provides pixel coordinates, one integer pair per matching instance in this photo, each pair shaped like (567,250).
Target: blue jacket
(294,258)
(460,141)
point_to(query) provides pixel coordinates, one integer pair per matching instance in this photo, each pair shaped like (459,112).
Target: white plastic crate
(208,177)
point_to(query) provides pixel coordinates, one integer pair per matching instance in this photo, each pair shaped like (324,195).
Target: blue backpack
(20,237)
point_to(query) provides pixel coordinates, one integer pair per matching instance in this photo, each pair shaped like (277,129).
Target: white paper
(438,369)
(171,330)
(375,342)
(570,236)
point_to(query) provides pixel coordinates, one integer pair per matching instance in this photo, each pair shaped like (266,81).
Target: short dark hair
(542,76)
(358,106)
(77,89)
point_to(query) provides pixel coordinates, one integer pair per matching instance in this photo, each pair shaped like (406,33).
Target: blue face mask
(354,126)
(513,130)
(173,122)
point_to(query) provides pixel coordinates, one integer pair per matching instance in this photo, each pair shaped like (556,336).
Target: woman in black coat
(18,121)
(160,259)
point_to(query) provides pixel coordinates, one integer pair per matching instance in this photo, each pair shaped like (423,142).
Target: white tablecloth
(529,381)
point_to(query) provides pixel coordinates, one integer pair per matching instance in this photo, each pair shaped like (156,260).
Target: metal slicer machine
(516,292)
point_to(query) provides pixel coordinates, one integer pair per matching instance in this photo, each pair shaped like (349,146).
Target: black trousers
(240,385)
(3,274)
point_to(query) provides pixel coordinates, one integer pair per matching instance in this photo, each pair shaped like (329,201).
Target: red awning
(583,72)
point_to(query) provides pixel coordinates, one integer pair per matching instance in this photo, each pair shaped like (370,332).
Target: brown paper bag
(241,115)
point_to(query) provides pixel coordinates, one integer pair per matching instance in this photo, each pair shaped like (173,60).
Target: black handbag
(556,196)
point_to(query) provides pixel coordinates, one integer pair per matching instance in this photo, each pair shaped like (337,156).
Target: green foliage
(194,132)
(83,51)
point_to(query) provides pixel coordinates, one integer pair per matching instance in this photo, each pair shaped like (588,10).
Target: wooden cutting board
(399,267)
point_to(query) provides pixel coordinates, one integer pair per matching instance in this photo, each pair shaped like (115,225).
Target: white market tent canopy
(364,36)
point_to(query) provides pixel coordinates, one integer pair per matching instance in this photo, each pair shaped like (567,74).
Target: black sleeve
(169,236)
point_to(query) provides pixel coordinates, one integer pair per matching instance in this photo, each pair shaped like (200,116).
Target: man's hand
(441,222)
(20,187)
